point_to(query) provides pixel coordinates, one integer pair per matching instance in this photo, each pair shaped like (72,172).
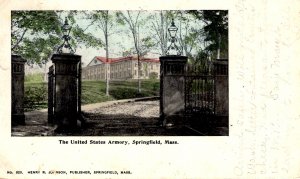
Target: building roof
(115,60)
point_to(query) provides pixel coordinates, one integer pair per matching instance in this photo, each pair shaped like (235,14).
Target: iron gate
(199,92)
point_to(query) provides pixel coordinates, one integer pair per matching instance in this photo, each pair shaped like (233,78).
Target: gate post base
(76,126)
(18,119)
(50,119)
(174,120)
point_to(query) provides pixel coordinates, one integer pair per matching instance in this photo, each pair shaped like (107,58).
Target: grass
(36,91)
(94,91)
(34,78)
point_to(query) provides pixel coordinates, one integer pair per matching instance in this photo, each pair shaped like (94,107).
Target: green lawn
(36,92)
(34,78)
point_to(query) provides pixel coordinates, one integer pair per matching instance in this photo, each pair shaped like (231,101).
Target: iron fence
(199,91)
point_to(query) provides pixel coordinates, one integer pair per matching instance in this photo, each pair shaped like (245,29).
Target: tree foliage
(215,29)
(35,35)
(189,32)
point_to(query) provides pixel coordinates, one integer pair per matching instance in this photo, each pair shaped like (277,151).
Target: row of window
(91,72)
(119,70)
(146,65)
(120,66)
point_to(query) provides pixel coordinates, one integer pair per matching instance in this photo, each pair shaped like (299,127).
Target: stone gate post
(221,90)
(66,110)
(17,90)
(172,89)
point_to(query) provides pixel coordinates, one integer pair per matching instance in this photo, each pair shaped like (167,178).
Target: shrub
(35,97)
(153,75)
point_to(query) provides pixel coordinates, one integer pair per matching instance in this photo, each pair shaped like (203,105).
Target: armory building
(121,68)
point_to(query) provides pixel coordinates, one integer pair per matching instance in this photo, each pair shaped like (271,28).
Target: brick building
(121,68)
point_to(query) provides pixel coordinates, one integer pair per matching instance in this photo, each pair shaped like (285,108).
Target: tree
(35,35)
(141,45)
(159,25)
(215,30)
(32,33)
(188,35)
(105,22)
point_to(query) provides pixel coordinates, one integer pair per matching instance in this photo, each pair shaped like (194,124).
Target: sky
(118,41)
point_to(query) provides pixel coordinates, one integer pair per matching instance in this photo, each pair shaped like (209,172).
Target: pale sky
(118,42)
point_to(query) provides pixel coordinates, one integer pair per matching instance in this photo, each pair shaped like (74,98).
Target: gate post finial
(173,49)
(65,47)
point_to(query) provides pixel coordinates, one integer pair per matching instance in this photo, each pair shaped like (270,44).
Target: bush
(35,96)
(153,75)
(155,87)
(126,93)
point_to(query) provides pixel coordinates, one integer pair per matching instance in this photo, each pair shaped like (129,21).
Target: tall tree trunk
(134,27)
(107,61)
(163,49)
(139,68)
(139,62)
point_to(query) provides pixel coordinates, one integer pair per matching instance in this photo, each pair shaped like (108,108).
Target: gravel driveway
(137,109)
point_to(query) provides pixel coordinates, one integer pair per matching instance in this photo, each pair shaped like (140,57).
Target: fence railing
(199,91)
(199,94)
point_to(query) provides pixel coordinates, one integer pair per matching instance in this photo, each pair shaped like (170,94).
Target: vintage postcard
(138,89)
